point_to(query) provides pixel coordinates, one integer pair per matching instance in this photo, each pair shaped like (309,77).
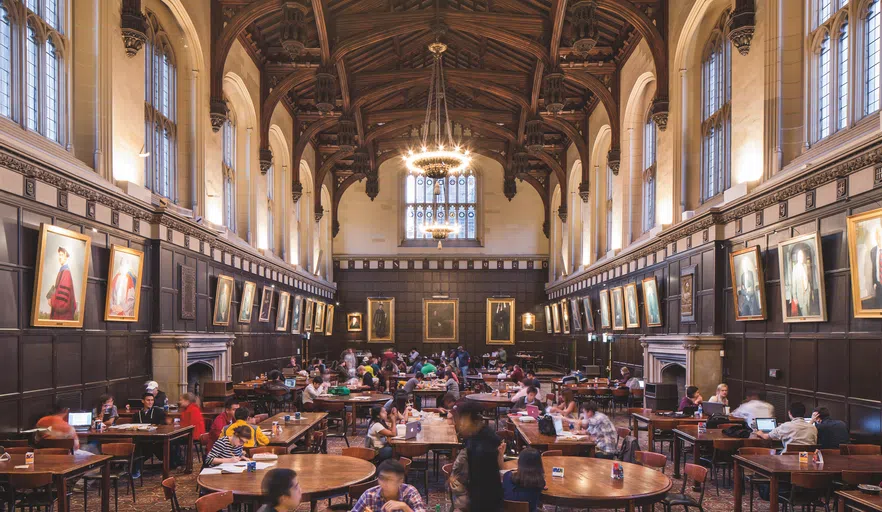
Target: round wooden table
(586,483)
(353,400)
(502,400)
(319,475)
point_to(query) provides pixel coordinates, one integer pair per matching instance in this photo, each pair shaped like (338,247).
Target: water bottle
(166,405)
(700,412)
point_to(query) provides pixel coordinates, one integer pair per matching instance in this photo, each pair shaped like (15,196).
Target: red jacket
(217,426)
(192,415)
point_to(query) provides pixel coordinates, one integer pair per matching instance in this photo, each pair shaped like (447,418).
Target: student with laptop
(754,407)
(796,431)
(529,399)
(148,413)
(378,433)
(721,396)
(691,401)
(602,429)
(57,426)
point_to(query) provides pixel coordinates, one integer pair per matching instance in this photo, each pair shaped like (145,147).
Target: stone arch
(576,212)
(557,240)
(631,176)
(303,217)
(598,204)
(240,102)
(281,184)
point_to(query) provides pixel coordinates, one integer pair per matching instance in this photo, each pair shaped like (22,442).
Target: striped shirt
(222,449)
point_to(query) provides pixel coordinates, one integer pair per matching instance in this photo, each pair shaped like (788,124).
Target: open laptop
(642,383)
(533,411)
(80,421)
(766,425)
(291,383)
(711,408)
(412,429)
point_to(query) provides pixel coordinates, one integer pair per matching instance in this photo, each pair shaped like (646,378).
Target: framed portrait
(266,304)
(565,316)
(651,302)
(618,309)
(528,322)
(283,311)
(802,279)
(223,296)
(381,319)
(124,285)
(319,324)
(589,314)
(296,314)
(687,294)
(575,315)
(555,316)
(308,309)
(353,322)
(548,328)
(864,246)
(500,321)
(246,305)
(605,321)
(61,271)
(748,284)
(632,308)
(329,319)
(440,320)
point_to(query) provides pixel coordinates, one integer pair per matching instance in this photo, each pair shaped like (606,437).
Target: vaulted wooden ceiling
(498,53)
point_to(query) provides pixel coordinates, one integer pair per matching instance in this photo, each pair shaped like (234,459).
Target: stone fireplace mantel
(173,353)
(699,355)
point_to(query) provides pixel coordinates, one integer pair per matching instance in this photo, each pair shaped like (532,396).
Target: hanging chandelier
(440,232)
(439,156)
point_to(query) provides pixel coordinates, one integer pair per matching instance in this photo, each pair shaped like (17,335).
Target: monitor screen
(642,383)
(766,424)
(291,383)
(79,419)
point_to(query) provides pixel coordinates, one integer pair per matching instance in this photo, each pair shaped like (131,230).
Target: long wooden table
(293,430)
(529,432)
(779,467)
(587,484)
(355,400)
(856,500)
(436,432)
(64,468)
(163,434)
(319,475)
(647,416)
(209,414)
(698,441)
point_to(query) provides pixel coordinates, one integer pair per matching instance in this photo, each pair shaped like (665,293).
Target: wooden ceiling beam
(491,116)
(558,16)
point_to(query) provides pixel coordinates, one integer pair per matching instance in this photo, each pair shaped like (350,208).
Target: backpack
(716,420)
(630,447)
(739,431)
(546,426)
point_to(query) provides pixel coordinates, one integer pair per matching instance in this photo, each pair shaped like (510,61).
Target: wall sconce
(528,322)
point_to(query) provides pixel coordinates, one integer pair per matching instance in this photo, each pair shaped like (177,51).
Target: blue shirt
(513,492)
(832,433)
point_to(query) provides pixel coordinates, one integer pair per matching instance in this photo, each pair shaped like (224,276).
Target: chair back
(567,449)
(275,450)
(9,443)
(727,445)
(665,425)
(621,393)
(794,449)
(57,443)
(515,506)
(169,489)
(652,460)
(29,480)
(602,392)
(812,480)
(51,451)
(698,475)
(214,502)
(411,450)
(756,450)
(355,491)
(360,453)
(757,442)
(623,432)
(637,394)
(407,462)
(447,469)
(860,449)
(19,450)
(118,450)
(855,478)
(317,441)
(830,452)
(552,453)
(205,439)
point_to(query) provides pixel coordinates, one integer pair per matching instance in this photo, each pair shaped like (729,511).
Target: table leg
(61,489)
(651,434)
(166,455)
(773,493)
(105,487)
(696,453)
(678,447)
(190,452)
(631,507)
(738,491)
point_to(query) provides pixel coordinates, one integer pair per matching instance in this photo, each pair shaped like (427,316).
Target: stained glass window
(716,116)
(456,203)
(872,50)
(649,174)
(161,130)
(824,78)
(5,64)
(842,98)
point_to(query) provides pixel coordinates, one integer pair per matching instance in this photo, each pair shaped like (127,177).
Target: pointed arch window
(873,59)
(716,113)
(829,69)
(160,111)
(229,173)
(270,218)
(649,173)
(457,203)
(609,207)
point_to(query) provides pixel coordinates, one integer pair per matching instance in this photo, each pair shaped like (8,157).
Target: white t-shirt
(377,440)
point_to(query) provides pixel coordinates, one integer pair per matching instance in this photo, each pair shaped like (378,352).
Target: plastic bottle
(700,412)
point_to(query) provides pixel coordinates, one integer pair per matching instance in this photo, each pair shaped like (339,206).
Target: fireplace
(684,361)
(182,360)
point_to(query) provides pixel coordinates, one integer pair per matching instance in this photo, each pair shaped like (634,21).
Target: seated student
(57,425)
(721,396)
(392,494)
(566,407)
(796,431)
(831,433)
(149,413)
(411,384)
(516,374)
(527,483)
(228,448)
(628,381)
(448,403)
(378,433)
(754,407)
(105,410)
(417,367)
(528,399)
(244,417)
(274,382)
(413,355)
(292,363)
(314,389)
(531,380)
(223,419)
(280,491)
(601,428)
(428,367)
(375,366)
(691,400)
(449,382)
(366,377)
(191,414)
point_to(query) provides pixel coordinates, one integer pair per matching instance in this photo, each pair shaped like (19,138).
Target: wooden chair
(552,453)
(515,506)
(50,451)
(663,433)
(19,450)
(622,432)
(169,488)
(355,492)
(406,463)
(652,460)
(855,478)
(121,466)
(10,443)
(751,479)
(756,442)
(830,452)
(275,450)
(360,453)
(31,491)
(57,443)
(621,398)
(860,449)
(214,502)
(412,451)
(722,459)
(808,490)
(566,449)
(794,449)
(338,419)
(636,397)
(698,475)
(511,451)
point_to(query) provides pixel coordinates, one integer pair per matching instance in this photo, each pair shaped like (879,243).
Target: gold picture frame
(555,317)
(380,319)
(575,315)
(652,302)
(223,298)
(565,316)
(309,309)
(500,321)
(632,306)
(618,308)
(748,291)
(123,303)
(329,320)
(548,327)
(53,304)
(528,322)
(440,320)
(589,314)
(605,310)
(246,305)
(864,244)
(283,311)
(318,326)
(354,322)
(801,269)
(266,304)
(296,314)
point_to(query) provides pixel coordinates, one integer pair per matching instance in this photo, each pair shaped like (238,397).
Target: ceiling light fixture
(144,153)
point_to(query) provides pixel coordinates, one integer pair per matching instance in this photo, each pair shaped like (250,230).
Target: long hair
(276,484)
(530,473)
(485,486)
(375,417)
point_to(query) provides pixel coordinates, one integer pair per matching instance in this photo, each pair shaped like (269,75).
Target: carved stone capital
(133,27)
(133,41)
(218,113)
(660,113)
(265,157)
(741,24)
(335,228)
(372,186)
(562,213)
(546,229)
(614,160)
(296,191)
(319,213)
(585,191)
(509,188)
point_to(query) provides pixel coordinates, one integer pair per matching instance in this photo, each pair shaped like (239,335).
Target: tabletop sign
(557,472)
(803,458)
(702,428)
(29,458)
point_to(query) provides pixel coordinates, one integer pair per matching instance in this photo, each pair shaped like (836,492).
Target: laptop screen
(79,419)
(291,383)
(766,424)
(642,383)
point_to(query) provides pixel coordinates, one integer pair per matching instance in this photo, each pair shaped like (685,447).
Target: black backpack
(716,420)
(546,426)
(739,431)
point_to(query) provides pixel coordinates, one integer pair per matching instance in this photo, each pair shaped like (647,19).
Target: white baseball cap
(152,384)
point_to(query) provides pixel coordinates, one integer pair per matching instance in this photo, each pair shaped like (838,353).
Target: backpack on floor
(630,447)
